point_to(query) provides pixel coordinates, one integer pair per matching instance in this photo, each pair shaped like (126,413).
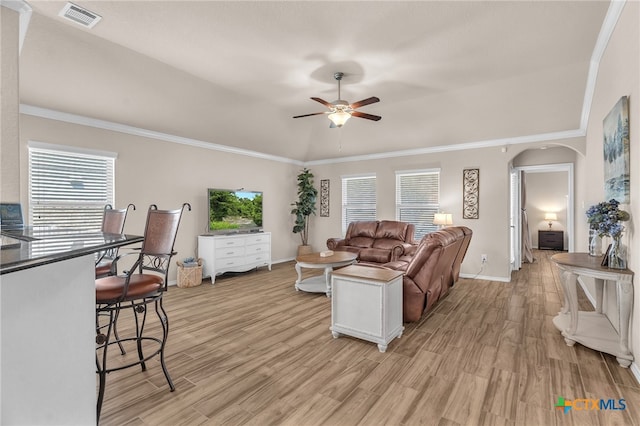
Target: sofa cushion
(362,242)
(389,229)
(375,255)
(361,229)
(385,243)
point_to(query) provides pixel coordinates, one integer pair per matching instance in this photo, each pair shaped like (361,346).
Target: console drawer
(257,257)
(229,242)
(260,238)
(232,251)
(257,248)
(230,262)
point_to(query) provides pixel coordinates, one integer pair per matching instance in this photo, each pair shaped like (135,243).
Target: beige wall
(491,230)
(169,174)
(9,148)
(618,75)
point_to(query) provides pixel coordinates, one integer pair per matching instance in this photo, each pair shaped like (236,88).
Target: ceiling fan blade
(308,115)
(365,115)
(371,100)
(323,102)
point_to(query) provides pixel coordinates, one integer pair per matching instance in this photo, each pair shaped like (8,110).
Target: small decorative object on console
(326,253)
(605,217)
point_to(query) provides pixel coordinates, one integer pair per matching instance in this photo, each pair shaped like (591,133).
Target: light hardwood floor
(251,350)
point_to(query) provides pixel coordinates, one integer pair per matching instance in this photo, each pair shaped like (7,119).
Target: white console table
(233,253)
(594,329)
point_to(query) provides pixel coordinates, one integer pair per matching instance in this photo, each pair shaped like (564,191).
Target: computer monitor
(11,216)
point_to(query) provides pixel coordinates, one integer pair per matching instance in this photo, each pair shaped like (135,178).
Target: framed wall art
(616,152)
(324,198)
(470,195)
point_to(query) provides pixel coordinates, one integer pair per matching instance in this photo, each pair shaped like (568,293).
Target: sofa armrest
(396,252)
(334,243)
(403,249)
(410,249)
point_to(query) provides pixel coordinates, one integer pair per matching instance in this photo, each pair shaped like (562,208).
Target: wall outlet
(484,258)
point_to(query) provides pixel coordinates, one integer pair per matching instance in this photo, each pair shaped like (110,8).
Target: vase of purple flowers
(606,219)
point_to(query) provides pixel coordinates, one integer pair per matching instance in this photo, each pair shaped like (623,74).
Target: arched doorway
(562,181)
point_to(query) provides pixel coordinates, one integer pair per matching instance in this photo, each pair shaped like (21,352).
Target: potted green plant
(304,207)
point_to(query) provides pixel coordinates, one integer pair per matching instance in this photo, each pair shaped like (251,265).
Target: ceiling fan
(340,110)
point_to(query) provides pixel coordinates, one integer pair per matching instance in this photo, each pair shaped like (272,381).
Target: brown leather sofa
(431,270)
(376,242)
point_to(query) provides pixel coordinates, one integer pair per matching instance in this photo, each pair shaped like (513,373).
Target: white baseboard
(486,277)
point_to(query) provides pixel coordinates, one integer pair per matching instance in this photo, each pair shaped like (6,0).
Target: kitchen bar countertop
(31,247)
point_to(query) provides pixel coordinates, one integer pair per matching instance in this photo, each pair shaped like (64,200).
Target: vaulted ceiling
(235,73)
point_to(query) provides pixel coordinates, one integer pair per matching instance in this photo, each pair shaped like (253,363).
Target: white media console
(233,253)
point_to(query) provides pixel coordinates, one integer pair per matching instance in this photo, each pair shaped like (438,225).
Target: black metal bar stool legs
(137,291)
(105,337)
(164,320)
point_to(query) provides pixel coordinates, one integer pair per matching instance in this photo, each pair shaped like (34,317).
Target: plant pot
(304,249)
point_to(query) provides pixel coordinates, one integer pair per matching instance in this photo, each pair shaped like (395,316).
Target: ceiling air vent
(79,15)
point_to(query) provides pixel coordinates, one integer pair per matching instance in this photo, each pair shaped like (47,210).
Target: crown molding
(543,137)
(137,131)
(606,31)
(25,11)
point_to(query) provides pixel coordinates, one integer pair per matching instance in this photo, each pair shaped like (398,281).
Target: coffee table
(321,283)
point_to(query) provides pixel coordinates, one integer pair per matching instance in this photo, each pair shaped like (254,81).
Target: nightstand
(551,240)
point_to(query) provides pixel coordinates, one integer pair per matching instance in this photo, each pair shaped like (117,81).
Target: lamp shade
(550,216)
(443,219)
(339,118)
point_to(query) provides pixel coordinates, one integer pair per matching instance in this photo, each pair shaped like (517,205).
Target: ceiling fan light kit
(339,118)
(340,110)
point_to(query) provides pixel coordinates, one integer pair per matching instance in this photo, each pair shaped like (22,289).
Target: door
(514,221)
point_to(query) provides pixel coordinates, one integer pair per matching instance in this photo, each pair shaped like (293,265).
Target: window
(358,199)
(418,199)
(69,187)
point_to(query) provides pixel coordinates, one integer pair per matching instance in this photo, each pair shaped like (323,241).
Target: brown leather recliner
(467,233)
(428,273)
(375,242)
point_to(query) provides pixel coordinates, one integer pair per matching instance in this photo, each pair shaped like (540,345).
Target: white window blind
(418,199)
(69,189)
(358,199)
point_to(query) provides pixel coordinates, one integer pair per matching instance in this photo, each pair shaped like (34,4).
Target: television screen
(234,211)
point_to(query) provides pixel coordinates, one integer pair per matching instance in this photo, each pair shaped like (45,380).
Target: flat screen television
(232,211)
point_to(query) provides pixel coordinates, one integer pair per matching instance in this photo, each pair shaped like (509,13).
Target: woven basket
(190,276)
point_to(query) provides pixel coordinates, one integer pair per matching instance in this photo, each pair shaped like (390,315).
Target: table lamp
(550,217)
(443,219)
